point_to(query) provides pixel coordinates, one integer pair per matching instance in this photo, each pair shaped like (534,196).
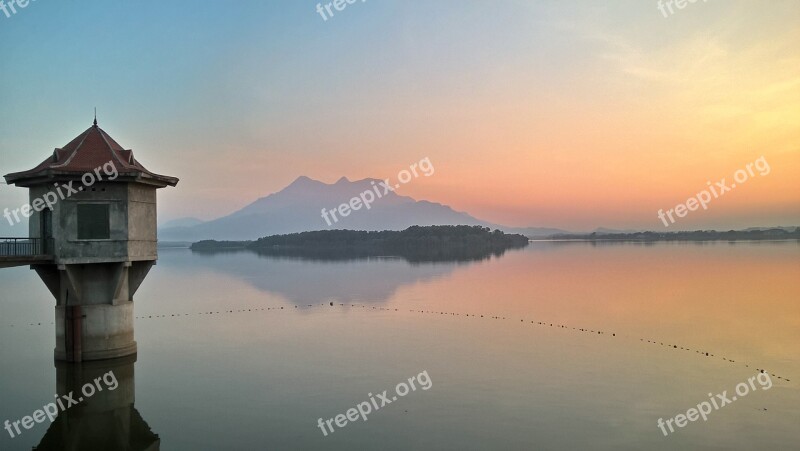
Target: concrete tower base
(106,332)
(94,308)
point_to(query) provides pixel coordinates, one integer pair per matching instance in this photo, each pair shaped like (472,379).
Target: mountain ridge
(298,208)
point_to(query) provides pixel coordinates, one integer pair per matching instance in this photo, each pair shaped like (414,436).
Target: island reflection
(414,256)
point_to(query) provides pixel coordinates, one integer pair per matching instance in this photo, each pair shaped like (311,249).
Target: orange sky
(551,114)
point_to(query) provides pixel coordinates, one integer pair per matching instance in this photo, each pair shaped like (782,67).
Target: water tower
(92,240)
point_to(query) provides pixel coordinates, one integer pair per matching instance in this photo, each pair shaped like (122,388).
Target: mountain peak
(303,181)
(300,206)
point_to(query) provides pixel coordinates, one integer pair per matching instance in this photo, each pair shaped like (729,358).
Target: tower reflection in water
(108,419)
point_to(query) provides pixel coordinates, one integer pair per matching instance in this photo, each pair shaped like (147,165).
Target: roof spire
(95,116)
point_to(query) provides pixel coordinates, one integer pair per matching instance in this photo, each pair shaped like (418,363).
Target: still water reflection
(241,351)
(108,419)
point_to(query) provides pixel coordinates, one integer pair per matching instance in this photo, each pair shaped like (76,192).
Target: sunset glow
(541,113)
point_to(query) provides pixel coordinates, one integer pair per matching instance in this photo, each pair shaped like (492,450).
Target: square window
(93,222)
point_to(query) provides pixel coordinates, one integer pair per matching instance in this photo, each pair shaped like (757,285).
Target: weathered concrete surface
(142,223)
(104,292)
(106,332)
(101,275)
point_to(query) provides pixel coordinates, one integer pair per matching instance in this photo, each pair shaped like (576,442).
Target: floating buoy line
(432,312)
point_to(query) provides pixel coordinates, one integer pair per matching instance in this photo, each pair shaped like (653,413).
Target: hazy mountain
(604,230)
(298,207)
(531,232)
(181,222)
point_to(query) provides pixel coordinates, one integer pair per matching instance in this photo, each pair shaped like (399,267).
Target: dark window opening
(93,222)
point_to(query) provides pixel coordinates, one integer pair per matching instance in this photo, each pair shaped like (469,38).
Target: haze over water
(260,370)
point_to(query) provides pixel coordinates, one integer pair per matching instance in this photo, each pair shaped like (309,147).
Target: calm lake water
(243,352)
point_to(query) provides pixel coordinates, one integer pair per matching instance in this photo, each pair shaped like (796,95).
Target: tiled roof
(90,150)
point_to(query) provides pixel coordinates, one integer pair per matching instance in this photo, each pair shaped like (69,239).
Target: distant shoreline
(415,244)
(327,240)
(775,234)
(631,240)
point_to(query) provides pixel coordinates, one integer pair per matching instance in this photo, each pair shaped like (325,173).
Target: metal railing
(22,247)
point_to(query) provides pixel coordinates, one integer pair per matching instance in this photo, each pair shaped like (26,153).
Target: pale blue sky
(239,98)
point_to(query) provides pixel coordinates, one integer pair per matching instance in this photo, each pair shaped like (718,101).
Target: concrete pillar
(94,308)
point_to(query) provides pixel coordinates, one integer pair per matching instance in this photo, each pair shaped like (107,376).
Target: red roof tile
(90,150)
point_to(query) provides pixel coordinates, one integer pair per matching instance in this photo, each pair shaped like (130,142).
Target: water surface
(240,351)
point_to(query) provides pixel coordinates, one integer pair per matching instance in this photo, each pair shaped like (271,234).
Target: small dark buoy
(331,304)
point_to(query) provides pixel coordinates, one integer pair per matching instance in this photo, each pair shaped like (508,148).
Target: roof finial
(95,116)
